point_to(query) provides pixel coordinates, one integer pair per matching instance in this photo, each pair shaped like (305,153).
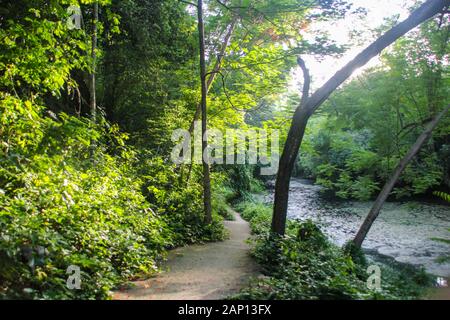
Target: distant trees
(373,214)
(144,78)
(366,126)
(311,103)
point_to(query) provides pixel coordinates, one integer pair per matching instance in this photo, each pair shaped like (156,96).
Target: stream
(403,230)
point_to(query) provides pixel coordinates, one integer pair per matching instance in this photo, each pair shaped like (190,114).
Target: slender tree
(215,70)
(311,103)
(211,77)
(93,98)
(206,177)
(374,212)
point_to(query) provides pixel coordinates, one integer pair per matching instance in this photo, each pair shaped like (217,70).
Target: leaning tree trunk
(304,111)
(206,178)
(373,213)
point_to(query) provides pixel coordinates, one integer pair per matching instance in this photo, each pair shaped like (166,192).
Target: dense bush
(243,181)
(306,265)
(180,204)
(221,196)
(74,197)
(74,191)
(257,214)
(64,203)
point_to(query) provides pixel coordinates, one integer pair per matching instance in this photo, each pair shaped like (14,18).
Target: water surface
(403,230)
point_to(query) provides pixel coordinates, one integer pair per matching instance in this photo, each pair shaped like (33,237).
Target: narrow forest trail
(210,271)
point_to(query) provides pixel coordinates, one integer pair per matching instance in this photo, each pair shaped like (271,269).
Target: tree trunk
(93,98)
(206,178)
(288,158)
(303,112)
(373,213)
(211,78)
(215,70)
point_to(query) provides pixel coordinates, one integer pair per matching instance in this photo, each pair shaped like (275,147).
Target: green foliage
(368,125)
(221,196)
(304,264)
(402,281)
(446,197)
(78,192)
(257,214)
(341,163)
(296,275)
(240,178)
(79,210)
(74,192)
(83,210)
(442,195)
(356,253)
(179,204)
(364,188)
(146,80)
(38,51)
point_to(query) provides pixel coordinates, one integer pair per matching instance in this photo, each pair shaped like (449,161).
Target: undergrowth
(305,265)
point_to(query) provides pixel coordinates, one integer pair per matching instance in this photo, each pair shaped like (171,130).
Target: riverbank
(402,235)
(403,231)
(307,265)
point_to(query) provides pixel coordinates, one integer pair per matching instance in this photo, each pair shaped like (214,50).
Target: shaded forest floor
(210,271)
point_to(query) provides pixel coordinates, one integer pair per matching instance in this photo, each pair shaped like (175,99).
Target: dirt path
(198,272)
